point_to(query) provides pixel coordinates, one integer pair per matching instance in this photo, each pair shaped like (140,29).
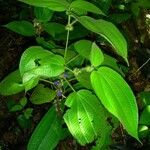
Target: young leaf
(143,131)
(16,108)
(23,102)
(28,113)
(96,55)
(56,5)
(117,97)
(48,132)
(145,116)
(83,47)
(23,122)
(85,6)
(108,31)
(85,118)
(21,27)
(42,95)
(43,14)
(84,79)
(11,84)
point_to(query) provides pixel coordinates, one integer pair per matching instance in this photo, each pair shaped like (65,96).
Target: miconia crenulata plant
(73,72)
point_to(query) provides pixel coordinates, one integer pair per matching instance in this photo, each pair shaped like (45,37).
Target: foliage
(80,75)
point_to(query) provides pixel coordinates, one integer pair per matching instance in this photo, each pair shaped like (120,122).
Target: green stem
(47,81)
(72,59)
(67,39)
(69,69)
(69,85)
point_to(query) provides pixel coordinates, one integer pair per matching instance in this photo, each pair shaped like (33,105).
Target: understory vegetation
(81,77)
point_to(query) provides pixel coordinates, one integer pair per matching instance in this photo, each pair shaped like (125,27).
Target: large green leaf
(56,5)
(85,118)
(85,6)
(21,27)
(116,95)
(42,95)
(96,55)
(37,62)
(11,84)
(48,132)
(108,31)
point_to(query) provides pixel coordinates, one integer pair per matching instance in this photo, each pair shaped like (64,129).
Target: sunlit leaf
(96,55)
(85,117)
(117,97)
(108,31)
(37,62)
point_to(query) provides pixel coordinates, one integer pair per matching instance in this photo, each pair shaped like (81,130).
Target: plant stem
(69,69)
(69,85)
(72,59)
(47,81)
(67,39)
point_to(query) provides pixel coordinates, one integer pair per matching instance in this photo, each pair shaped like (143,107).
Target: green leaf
(145,96)
(54,28)
(143,131)
(28,113)
(84,78)
(96,55)
(83,47)
(111,63)
(85,118)
(33,66)
(16,108)
(23,101)
(21,27)
(104,142)
(43,14)
(56,5)
(144,3)
(117,97)
(85,6)
(48,132)
(42,95)
(23,122)
(11,84)
(145,116)
(45,44)
(105,5)
(108,31)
